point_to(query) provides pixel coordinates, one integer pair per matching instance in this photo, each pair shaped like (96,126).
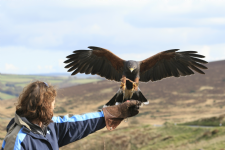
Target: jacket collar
(22,121)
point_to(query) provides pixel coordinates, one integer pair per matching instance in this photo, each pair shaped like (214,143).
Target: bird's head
(132,65)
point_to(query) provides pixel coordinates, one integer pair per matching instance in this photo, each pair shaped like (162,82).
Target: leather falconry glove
(115,114)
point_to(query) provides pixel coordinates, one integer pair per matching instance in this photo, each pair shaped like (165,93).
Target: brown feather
(196,69)
(199,65)
(96,61)
(151,61)
(170,63)
(116,62)
(199,60)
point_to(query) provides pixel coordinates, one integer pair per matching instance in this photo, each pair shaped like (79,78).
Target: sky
(37,35)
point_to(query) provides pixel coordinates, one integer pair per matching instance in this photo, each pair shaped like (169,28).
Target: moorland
(172,103)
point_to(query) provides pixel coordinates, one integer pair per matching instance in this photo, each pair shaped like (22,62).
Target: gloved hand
(115,114)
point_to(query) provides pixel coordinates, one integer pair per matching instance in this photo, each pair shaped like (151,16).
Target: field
(147,137)
(212,121)
(12,85)
(176,100)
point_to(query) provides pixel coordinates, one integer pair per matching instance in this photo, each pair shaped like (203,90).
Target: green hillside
(147,137)
(12,85)
(212,121)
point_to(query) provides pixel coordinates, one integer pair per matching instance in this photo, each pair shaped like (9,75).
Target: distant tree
(13,91)
(10,84)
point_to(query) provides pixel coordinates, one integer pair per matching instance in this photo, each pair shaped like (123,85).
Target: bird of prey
(104,63)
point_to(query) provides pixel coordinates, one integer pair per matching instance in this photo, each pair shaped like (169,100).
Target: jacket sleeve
(70,129)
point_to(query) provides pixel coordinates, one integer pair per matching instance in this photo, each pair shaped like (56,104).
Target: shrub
(59,110)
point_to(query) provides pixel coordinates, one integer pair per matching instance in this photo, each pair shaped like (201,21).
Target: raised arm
(69,129)
(73,128)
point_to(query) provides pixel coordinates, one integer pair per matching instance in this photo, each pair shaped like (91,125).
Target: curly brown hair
(35,102)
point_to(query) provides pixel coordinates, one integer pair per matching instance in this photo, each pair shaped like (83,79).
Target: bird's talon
(123,86)
(135,86)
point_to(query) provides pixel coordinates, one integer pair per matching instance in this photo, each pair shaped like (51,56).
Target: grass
(8,107)
(6,96)
(54,81)
(59,110)
(144,113)
(212,121)
(83,81)
(10,82)
(26,78)
(22,84)
(138,136)
(146,137)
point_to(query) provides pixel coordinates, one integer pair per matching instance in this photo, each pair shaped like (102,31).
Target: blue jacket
(62,131)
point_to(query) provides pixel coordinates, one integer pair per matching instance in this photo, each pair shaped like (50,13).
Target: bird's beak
(131,69)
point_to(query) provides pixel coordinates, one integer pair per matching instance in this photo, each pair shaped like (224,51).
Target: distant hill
(212,121)
(11,85)
(213,82)
(177,99)
(67,74)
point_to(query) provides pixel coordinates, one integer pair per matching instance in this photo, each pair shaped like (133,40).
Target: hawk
(104,63)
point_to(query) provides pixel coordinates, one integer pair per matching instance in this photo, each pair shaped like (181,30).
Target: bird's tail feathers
(137,95)
(118,98)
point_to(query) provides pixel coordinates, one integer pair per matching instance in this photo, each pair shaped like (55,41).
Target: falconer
(34,126)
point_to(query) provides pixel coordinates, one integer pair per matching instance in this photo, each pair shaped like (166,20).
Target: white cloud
(61,63)
(205,50)
(136,56)
(212,52)
(215,20)
(31,61)
(10,67)
(46,40)
(39,67)
(49,68)
(45,69)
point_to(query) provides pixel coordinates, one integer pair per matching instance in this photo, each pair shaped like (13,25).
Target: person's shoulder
(15,136)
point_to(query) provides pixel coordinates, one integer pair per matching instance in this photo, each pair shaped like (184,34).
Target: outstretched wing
(171,63)
(96,61)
